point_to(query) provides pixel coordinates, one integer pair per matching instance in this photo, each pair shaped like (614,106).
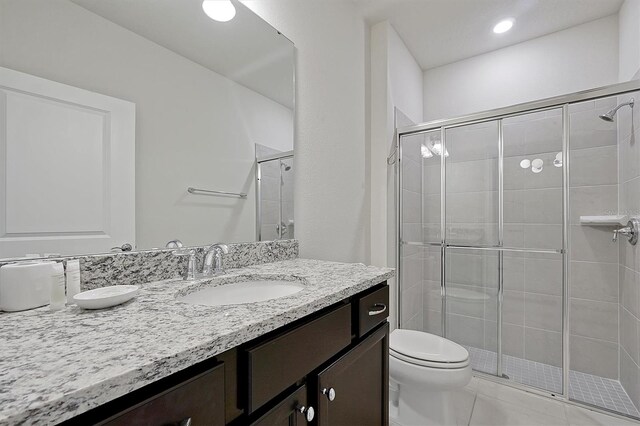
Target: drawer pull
(329,393)
(309,413)
(185,422)
(381,308)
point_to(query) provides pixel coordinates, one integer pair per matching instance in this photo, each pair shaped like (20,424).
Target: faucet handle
(630,231)
(190,272)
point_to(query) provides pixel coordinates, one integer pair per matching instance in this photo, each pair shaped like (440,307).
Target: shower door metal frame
(558,102)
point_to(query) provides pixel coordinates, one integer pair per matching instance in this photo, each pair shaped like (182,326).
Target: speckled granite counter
(55,365)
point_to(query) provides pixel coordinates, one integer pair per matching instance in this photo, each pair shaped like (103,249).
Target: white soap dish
(106,297)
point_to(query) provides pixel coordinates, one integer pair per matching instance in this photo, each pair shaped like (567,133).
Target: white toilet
(424,371)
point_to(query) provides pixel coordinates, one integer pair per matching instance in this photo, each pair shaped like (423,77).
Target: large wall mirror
(140,122)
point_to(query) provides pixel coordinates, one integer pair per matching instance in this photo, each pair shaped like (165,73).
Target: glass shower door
(275,199)
(287,227)
(473,232)
(268,200)
(421,245)
(532,305)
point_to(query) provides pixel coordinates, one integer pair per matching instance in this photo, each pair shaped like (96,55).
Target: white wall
(579,58)
(629,35)
(396,82)
(194,127)
(331,210)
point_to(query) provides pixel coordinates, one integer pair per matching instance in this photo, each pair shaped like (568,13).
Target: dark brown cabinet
(328,369)
(353,390)
(292,411)
(280,362)
(198,401)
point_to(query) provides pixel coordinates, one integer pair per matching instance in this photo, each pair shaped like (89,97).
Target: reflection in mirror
(275,194)
(111,110)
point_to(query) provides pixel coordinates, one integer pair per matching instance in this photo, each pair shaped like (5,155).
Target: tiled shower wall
(594,257)
(629,267)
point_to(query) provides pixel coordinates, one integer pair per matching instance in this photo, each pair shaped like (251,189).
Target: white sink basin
(238,293)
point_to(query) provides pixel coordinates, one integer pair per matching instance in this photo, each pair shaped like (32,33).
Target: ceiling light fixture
(219,10)
(503,26)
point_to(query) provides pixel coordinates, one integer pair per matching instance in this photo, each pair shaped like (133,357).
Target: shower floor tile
(594,390)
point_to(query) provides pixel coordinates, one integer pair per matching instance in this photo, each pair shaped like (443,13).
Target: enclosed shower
(506,223)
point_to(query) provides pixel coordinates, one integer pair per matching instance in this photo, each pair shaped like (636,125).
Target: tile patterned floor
(487,403)
(595,390)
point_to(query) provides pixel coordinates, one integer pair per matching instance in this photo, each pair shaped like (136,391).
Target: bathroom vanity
(318,356)
(330,367)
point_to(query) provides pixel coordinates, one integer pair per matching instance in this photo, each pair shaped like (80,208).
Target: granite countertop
(56,365)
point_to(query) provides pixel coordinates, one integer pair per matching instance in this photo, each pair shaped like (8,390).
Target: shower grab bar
(486,248)
(197,191)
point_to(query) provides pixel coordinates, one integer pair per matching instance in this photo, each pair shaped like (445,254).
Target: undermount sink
(236,293)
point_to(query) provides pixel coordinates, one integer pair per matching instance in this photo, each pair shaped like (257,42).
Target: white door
(67,168)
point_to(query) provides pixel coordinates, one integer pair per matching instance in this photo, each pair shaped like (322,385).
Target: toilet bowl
(424,371)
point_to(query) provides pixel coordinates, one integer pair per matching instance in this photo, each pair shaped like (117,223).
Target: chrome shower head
(612,113)
(286,167)
(608,116)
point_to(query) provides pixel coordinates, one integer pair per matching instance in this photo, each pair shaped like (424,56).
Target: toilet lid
(426,347)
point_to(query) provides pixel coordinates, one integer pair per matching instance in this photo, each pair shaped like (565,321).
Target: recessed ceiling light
(219,10)
(503,26)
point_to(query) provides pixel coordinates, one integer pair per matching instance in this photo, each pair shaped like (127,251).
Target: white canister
(25,285)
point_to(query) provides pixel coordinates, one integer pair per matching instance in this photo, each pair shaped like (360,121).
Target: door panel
(79,197)
(360,380)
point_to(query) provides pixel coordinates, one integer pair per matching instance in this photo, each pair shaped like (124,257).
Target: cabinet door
(354,390)
(198,401)
(292,411)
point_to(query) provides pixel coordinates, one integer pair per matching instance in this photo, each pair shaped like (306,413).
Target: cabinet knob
(309,413)
(185,422)
(329,393)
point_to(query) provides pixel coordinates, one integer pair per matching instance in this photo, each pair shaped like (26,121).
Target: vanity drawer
(281,362)
(373,309)
(200,399)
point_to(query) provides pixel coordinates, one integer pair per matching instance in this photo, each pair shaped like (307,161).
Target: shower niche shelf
(607,220)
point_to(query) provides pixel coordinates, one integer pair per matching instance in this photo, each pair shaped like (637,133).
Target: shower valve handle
(624,231)
(630,231)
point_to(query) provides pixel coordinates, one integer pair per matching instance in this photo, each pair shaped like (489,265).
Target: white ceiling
(245,49)
(438,32)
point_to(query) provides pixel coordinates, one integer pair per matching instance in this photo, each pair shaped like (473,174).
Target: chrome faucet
(213,260)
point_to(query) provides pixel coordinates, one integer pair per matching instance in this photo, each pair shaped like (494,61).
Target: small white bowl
(106,297)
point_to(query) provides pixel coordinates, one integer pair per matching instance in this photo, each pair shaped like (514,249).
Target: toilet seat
(428,350)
